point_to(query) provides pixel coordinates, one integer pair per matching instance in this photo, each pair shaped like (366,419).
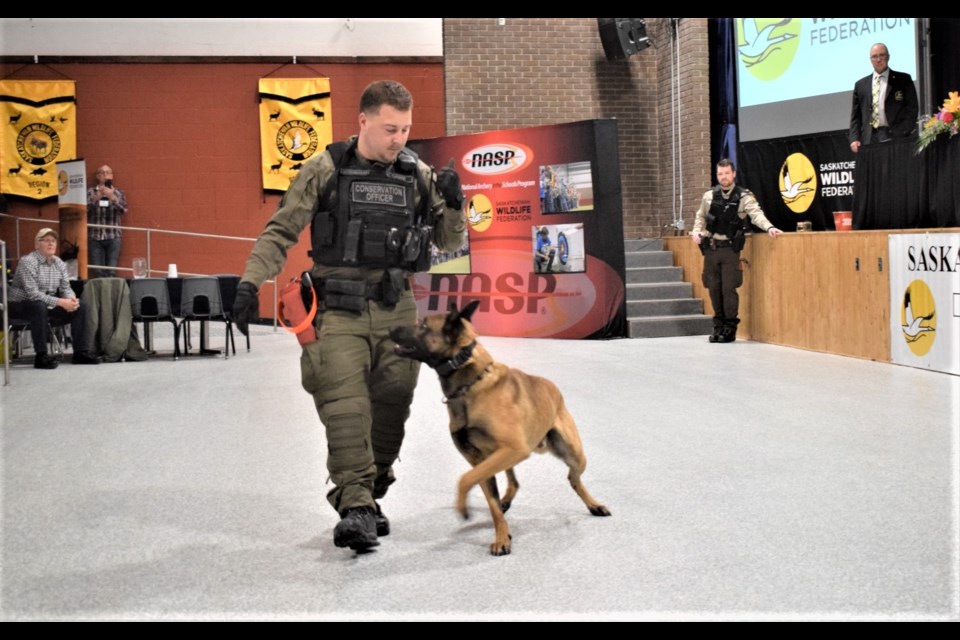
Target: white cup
(172,271)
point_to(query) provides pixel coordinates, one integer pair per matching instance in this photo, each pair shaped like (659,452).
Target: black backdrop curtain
(944,36)
(761,164)
(898,189)
(723,88)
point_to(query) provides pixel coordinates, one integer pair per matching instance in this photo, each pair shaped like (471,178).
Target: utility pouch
(293,313)
(350,295)
(392,286)
(739,239)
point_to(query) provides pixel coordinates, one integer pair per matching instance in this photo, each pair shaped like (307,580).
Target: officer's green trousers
(362,391)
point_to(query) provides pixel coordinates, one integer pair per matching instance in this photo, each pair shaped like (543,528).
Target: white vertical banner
(72,182)
(925,301)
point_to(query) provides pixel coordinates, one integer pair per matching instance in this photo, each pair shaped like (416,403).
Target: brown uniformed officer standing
(721,222)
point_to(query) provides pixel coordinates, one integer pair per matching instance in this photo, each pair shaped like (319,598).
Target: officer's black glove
(246,307)
(448,183)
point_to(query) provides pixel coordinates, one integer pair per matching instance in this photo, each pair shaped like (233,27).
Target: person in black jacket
(893,114)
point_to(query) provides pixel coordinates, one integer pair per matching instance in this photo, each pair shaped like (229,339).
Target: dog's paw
(600,510)
(500,549)
(505,505)
(463,511)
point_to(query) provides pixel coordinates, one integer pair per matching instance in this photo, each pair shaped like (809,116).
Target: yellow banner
(39,129)
(295,125)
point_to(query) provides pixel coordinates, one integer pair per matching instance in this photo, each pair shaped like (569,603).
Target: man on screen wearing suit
(885,103)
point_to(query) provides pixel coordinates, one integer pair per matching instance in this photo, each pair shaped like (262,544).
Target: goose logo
(918,318)
(767,46)
(497,159)
(480,213)
(798,182)
(297,140)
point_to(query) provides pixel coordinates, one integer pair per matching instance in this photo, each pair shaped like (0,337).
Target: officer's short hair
(727,162)
(387,92)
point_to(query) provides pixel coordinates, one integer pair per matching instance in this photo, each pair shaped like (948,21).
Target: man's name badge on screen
(104,202)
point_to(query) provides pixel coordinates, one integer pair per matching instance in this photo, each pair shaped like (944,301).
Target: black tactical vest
(723,217)
(368,216)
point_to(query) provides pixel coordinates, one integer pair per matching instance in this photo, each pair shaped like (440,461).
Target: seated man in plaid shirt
(40,291)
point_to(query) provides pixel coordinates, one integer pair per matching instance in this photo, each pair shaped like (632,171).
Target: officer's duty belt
(719,244)
(352,295)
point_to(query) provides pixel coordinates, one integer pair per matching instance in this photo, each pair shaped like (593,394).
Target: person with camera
(374,209)
(106,203)
(723,219)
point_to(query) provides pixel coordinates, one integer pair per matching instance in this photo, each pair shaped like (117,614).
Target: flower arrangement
(944,121)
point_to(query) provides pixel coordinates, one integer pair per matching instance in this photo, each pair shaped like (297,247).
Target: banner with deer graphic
(295,125)
(39,129)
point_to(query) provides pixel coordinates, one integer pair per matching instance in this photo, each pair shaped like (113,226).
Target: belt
(719,244)
(359,288)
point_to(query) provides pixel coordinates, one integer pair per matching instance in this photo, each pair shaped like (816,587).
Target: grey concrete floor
(746,481)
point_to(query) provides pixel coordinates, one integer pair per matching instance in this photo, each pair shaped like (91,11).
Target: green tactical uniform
(361,389)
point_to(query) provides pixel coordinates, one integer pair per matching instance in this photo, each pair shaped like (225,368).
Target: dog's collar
(447,367)
(462,391)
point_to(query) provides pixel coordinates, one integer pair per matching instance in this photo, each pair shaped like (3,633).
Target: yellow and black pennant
(39,128)
(295,125)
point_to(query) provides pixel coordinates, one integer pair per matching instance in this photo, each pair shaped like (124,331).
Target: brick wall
(536,71)
(183,141)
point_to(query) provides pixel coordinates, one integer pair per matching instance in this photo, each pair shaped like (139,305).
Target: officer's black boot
(357,529)
(383,524)
(717,331)
(729,333)
(381,483)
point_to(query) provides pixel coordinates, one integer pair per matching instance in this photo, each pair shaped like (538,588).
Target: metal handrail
(149,231)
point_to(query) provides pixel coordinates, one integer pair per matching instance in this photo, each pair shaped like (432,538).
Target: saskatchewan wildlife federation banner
(800,179)
(925,301)
(39,129)
(295,125)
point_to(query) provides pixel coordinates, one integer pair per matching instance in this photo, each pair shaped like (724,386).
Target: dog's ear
(467,312)
(453,314)
(451,324)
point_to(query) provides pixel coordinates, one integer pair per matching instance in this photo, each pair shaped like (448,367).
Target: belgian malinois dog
(498,415)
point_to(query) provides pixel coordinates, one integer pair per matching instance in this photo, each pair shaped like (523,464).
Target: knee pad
(347,424)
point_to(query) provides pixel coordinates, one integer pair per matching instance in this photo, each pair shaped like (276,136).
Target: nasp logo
(798,182)
(480,212)
(918,318)
(497,159)
(767,46)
